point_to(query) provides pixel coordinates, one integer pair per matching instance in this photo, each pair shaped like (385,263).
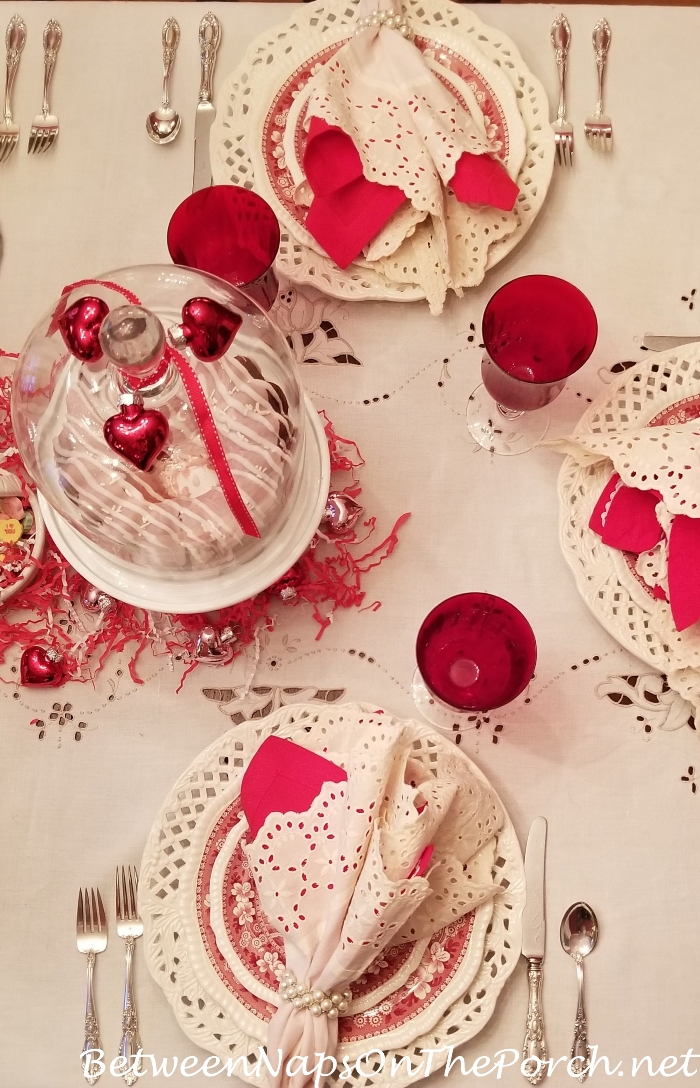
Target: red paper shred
(327,577)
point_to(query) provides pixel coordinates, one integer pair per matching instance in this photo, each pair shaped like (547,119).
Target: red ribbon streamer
(212,441)
(200,407)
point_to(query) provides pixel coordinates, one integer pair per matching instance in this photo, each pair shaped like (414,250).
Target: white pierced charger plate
(663,388)
(172,857)
(237,135)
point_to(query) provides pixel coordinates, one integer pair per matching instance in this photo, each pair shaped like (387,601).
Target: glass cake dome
(159,411)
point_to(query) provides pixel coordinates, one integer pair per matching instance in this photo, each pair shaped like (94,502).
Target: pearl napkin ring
(389,19)
(317,1002)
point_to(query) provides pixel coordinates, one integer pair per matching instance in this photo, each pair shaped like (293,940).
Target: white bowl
(10,487)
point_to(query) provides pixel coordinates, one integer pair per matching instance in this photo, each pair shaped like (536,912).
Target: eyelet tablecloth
(601,747)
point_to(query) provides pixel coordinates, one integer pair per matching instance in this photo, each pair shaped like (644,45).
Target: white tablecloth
(600,749)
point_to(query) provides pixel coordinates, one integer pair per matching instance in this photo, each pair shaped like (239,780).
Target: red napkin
(625,517)
(684,571)
(348,211)
(283,777)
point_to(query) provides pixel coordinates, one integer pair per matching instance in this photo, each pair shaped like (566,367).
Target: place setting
(438,584)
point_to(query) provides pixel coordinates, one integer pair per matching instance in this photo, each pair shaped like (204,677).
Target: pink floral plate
(233,907)
(465,72)
(383,1006)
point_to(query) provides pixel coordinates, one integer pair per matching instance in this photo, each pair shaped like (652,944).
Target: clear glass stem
(509,413)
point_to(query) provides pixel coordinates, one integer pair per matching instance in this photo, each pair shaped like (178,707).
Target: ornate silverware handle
(602,37)
(52,43)
(92,1031)
(171,40)
(209,37)
(131,1041)
(15,38)
(580,1047)
(534,1045)
(561,40)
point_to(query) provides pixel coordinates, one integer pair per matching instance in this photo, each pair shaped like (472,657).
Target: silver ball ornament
(341,514)
(96,600)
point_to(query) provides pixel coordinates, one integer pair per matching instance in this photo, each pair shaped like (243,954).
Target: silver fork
(598,128)
(560,35)
(91,933)
(129,926)
(15,38)
(44,128)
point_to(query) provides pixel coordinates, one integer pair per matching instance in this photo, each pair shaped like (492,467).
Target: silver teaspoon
(163,125)
(579,935)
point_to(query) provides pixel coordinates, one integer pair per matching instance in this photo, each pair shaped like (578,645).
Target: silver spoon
(163,125)
(578,935)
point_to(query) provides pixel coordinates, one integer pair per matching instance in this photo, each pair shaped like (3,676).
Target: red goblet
(232,233)
(475,652)
(537,332)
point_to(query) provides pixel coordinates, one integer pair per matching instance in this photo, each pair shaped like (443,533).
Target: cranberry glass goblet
(475,653)
(537,332)
(232,233)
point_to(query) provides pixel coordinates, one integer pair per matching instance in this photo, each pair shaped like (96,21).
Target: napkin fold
(651,501)
(346,877)
(383,130)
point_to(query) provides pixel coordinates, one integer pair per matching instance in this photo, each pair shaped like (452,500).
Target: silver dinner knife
(534,1045)
(665,343)
(209,37)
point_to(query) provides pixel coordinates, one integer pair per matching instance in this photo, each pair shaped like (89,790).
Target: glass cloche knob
(133,339)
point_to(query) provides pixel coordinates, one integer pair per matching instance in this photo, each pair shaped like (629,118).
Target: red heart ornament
(41,668)
(80,328)
(209,328)
(137,434)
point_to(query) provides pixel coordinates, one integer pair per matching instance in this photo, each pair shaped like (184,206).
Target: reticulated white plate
(237,133)
(663,388)
(171,857)
(236,583)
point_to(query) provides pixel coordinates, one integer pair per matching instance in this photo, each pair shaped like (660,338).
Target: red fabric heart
(479,179)
(209,328)
(348,210)
(80,328)
(600,510)
(625,517)
(283,777)
(137,434)
(37,669)
(684,571)
(423,862)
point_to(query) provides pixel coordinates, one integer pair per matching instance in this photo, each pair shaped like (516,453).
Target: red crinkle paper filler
(327,577)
